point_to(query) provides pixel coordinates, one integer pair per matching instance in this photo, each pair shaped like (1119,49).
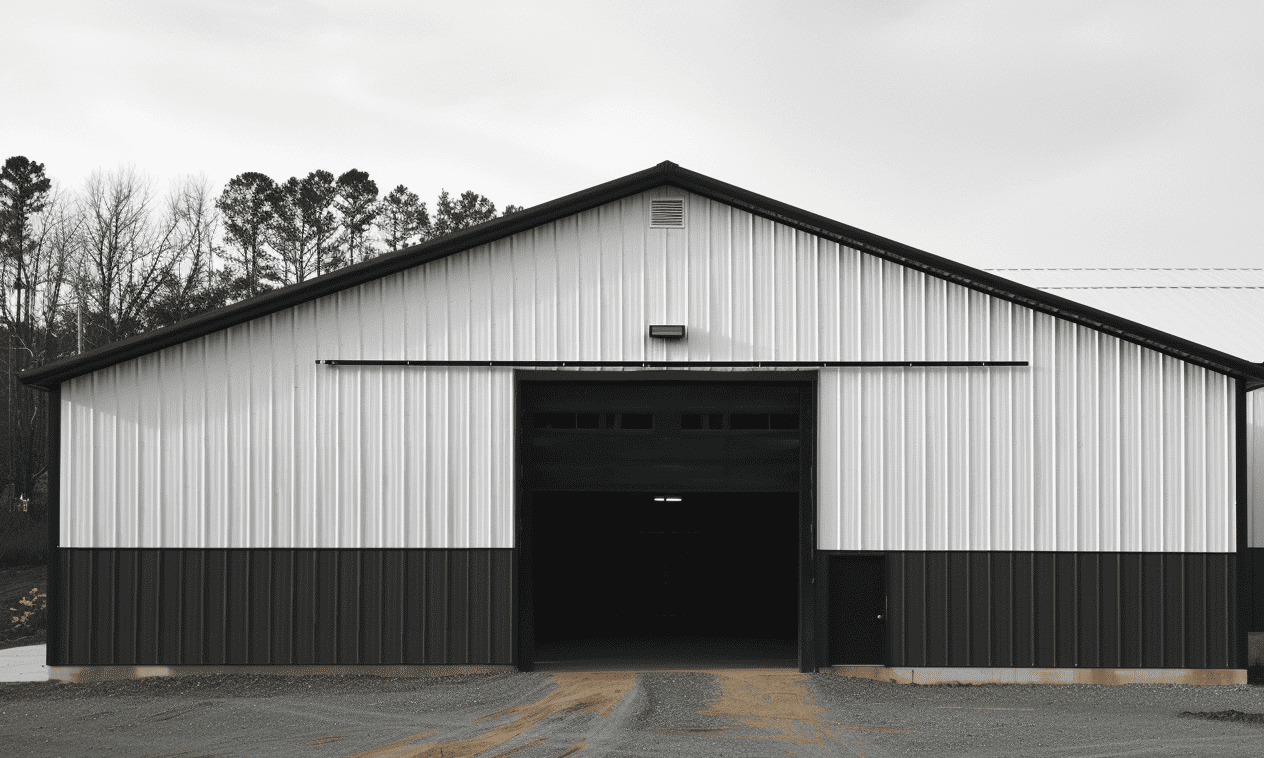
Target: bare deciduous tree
(197,222)
(192,285)
(127,248)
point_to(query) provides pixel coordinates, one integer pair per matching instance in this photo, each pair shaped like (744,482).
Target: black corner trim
(1244,588)
(54,652)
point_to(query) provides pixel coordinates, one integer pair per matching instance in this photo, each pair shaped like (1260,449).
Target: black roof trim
(666,173)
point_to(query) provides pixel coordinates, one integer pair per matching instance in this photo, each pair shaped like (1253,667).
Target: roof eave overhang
(53,374)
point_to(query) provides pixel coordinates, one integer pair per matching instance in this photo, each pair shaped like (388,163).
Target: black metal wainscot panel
(1062,609)
(275,606)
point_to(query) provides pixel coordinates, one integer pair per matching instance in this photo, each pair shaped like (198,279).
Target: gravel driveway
(735,712)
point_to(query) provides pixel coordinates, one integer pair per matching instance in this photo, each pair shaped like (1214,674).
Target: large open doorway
(668,577)
(665,520)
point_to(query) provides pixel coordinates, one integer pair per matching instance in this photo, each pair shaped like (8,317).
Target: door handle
(879,615)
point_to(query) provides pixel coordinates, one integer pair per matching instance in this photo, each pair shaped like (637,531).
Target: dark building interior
(671,576)
(662,520)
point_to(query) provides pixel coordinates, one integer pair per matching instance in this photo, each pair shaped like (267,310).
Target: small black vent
(668,213)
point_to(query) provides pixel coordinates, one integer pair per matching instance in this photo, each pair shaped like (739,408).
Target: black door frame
(523,598)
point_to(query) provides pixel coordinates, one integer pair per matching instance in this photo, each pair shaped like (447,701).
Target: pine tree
(402,217)
(358,206)
(24,194)
(454,215)
(246,205)
(317,193)
(289,234)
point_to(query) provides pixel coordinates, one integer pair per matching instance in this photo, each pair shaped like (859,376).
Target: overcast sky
(1000,134)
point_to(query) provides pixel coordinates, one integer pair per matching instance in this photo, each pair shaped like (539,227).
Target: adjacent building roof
(52,374)
(1222,308)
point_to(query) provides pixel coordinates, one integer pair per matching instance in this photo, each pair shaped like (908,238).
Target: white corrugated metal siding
(207,447)
(239,439)
(1100,445)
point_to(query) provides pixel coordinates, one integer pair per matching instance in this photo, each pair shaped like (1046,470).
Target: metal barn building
(667,409)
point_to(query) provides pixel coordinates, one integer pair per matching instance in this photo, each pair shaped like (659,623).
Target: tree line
(117,257)
(288,232)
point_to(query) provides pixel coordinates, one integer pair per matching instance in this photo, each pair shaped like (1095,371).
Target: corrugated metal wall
(306,607)
(1046,609)
(1099,445)
(237,439)
(1255,468)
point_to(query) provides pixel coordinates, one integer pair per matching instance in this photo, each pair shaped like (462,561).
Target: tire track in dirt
(572,693)
(774,705)
(752,704)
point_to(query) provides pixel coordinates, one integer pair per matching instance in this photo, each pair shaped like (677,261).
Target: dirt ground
(15,583)
(735,712)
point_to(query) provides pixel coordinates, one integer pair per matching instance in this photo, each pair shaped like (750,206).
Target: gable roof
(52,374)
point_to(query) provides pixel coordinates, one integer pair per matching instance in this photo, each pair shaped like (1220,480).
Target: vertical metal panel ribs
(142,607)
(1062,610)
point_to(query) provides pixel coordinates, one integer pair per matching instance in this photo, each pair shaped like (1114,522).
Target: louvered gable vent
(669,213)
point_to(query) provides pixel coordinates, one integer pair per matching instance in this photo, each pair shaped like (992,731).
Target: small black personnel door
(857,610)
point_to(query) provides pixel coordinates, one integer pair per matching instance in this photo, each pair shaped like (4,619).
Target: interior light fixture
(667,500)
